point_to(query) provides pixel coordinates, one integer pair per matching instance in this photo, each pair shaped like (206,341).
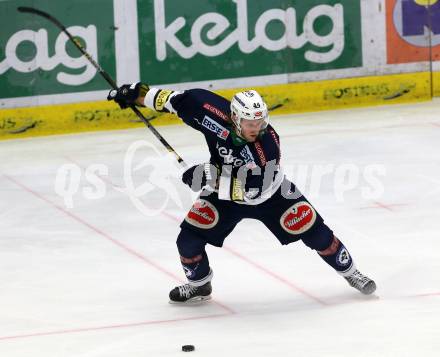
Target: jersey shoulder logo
(215,127)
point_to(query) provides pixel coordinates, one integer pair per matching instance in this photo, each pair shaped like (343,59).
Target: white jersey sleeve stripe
(168,104)
(160,100)
(149,98)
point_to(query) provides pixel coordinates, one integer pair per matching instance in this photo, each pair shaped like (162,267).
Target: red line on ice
(109,238)
(385,206)
(265,270)
(242,257)
(109,327)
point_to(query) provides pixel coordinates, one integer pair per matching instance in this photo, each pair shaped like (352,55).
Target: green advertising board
(37,59)
(196,40)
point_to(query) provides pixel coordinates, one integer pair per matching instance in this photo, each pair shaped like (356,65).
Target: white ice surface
(93,280)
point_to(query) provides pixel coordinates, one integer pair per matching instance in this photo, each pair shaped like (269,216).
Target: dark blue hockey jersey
(250,172)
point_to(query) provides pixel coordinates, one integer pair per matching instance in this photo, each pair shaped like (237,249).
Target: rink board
(282,99)
(436,84)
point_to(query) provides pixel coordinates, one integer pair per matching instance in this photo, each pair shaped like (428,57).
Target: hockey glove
(198,176)
(127,94)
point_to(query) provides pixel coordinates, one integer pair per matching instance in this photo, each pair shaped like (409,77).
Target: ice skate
(190,294)
(361,282)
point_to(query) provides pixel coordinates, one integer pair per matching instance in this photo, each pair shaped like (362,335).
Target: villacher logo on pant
(299,218)
(202,214)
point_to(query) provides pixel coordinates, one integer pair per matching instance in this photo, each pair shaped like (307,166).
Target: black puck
(188,348)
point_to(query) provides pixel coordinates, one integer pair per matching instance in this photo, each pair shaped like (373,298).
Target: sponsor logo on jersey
(237,193)
(260,153)
(298,218)
(215,127)
(161,99)
(228,157)
(202,214)
(247,154)
(216,111)
(274,136)
(248,158)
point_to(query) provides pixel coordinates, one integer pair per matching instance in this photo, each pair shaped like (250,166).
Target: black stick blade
(25,9)
(32,10)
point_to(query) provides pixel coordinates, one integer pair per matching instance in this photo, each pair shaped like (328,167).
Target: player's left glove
(198,176)
(127,94)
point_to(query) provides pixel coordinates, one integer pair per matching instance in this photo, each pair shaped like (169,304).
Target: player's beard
(249,137)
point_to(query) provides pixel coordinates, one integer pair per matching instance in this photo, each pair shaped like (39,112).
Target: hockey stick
(104,74)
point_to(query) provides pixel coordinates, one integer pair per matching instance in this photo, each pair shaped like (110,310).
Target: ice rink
(93,279)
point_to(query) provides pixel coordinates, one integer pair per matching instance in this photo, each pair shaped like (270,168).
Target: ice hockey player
(243,179)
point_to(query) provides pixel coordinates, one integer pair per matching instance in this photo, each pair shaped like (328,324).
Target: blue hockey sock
(338,257)
(197,269)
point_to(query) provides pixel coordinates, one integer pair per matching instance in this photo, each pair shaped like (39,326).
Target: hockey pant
(290,219)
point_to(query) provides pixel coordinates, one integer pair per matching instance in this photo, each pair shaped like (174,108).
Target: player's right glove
(127,94)
(198,176)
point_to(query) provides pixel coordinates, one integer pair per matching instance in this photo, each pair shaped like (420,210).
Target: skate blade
(197,300)
(369,288)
